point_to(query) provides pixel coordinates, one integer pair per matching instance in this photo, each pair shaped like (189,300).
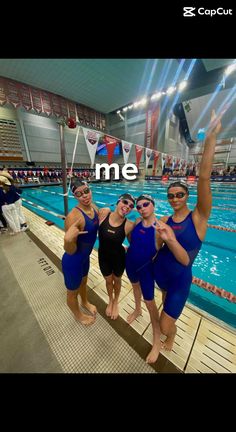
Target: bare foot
(91,308)
(168,344)
(115,311)
(131,317)
(109,308)
(154,353)
(85,319)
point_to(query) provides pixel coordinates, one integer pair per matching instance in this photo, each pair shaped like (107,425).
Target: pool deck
(202,344)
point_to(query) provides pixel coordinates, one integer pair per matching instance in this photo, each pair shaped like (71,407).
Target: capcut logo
(192,11)
(188,11)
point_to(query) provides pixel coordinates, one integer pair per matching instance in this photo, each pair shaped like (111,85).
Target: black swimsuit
(111,253)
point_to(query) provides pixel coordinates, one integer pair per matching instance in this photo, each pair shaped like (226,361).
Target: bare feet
(109,308)
(91,308)
(85,319)
(154,353)
(115,311)
(131,317)
(169,342)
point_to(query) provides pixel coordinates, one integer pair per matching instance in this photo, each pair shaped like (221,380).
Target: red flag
(138,152)
(110,145)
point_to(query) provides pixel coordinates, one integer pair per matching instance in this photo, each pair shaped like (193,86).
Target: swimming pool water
(216,261)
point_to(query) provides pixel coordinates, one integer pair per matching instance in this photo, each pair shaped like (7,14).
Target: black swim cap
(75,183)
(146,197)
(126,196)
(179,183)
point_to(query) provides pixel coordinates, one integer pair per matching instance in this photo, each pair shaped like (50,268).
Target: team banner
(126,147)
(91,137)
(3,91)
(13,95)
(151,131)
(31,98)
(36,100)
(72,109)
(25,97)
(148,156)
(46,102)
(56,106)
(138,152)
(111,143)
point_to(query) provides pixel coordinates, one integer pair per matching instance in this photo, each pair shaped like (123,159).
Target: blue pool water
(216,261)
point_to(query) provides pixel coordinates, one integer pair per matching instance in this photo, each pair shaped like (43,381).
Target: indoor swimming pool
(216,261)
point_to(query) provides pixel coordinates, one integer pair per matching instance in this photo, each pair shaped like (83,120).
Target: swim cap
(146,197)
(75,183)
(126,196)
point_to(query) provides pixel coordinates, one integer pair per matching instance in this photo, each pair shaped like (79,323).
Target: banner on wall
(72,110)
(25,97)
(3,91)
(36,100)
(20,94)
(13,95)
(126,147)
(56,106)
(151,130)
(64,108)
(91,137)
(46,103)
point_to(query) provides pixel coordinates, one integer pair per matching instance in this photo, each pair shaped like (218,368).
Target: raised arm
(204,197)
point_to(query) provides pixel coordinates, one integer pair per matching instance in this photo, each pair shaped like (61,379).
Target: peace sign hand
(215,123)
(165,231)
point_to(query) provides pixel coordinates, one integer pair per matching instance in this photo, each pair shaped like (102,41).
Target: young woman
(113,229)
(81,226)
(139,263)
(174,278)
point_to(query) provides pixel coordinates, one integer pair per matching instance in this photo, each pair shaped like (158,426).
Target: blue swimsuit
(76,266)
(170,275)
(139,265)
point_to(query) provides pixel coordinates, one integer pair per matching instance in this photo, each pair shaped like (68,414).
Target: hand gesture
(73,232)
(164,231)
(215,123)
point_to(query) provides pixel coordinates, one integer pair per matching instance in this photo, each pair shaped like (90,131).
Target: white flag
(163,160)
(148,155)
(91,138)
(126,147)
